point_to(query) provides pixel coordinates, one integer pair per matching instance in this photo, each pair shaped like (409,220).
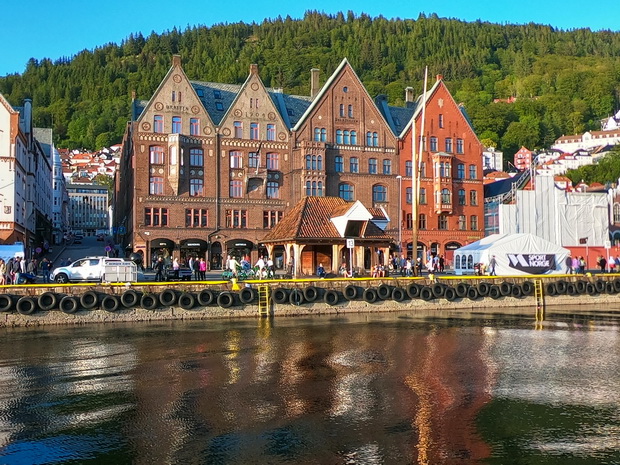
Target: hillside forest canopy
(564,82)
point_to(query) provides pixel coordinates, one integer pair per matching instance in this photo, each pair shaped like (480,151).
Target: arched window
(457,262)
(375,139)
(379,193)
(346,191)
(317,134)
(347,140)
(323,134)
(319,162)
(353,137)
(308,188)
(319,189)
(369,139)
(470,262)
(308,162)
(339,136)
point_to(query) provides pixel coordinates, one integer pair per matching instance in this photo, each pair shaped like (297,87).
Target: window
(238,129)
(369,139)
(462,222)
(473,223)
(422,221)
(408,197)
(317,134)
(423,169)
(408,168)
(217,94)
(273,161)
(446,196)
(253,103)
(346,140)
(440,120)
(271,132)
(219,106)
(236,188)
(196,157)
(176,125)
(253,160)
(472,172)
(350,111)
(372,166)
(314,188)
(339,136)
(353,137)
(196,218)
(346,191)
(459,146)
(273,190)
(196,186)
(308,162)
(442,222)
(460,171)
(616,213)
(448,144)
(155,217)
(375,139)
(473,198)
(156,155)
(433,144)
(354,165)
(379,193)
(387,166)
(236,218)
(339,164)
(319,162)
(236,159)
(271,218)
(254,131)
(323,134)
(461,196)
(444,170)
(158,124)
(156,185)
(194,127)
(423,200)
(342,110)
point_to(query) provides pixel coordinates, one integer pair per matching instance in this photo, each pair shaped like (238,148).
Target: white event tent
(515,254)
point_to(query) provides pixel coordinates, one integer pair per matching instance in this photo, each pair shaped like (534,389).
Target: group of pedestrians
(18,270)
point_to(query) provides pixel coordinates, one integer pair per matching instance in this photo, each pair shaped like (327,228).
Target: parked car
(84,269)
(184,274)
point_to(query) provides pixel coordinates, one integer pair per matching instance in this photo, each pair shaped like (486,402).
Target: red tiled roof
(311,218)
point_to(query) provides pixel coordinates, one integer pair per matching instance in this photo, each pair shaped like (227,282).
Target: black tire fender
(206,297)
(461,289)
(438,290)
(47,301)
(483,289)
(516,291)
(571,289)
(610,288)
(69,304)
(311,293)
(617,284)
(89,300)
(399,294)
(26,306)
(331,297)
(591,289)
(550,289)
(494,292)
(351,292)
(449,294)
(581,286)
(560,286)
(296,297)
(187,300)
(370,295)
(384,291)
(7,301)
(527,287)
(168,297)
(413,290)
(426,293)
(600,286)
(110,303)
(225,299)
(247,295)
(130,298)
(505,288)
(280,295)
(149,301)
(473,293)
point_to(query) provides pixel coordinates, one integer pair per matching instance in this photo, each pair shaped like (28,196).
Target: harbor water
(394,388)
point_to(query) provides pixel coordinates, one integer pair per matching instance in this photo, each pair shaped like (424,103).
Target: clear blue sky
(52,29)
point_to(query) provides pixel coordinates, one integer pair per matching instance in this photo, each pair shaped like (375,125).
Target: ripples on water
(368,389)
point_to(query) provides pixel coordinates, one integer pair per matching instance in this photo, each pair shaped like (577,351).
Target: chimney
(439,77)
(176,60)
(133,95)
(253,68)
(409,94)
(314,82)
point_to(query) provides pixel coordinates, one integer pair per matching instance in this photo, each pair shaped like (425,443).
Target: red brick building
(451,195)
(207,169)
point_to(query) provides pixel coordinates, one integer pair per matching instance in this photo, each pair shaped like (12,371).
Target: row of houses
(210,169)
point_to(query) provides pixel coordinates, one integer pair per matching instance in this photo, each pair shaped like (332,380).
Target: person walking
(602,263)
(2,272)
(492,265)
(175,267)
(196,269)
(17,270)
(159,269)
(46,267)
(202,267)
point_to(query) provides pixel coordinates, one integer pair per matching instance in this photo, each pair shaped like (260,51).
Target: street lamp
(400,213)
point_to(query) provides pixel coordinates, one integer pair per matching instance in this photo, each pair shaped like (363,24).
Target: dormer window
(217,94)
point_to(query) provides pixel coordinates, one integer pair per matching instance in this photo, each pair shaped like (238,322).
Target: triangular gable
(191,102)
(267,111)
(357,212)
(319,99)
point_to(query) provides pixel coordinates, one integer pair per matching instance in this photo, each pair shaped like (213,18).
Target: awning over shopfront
(194,244)
(239,244)
(162,244)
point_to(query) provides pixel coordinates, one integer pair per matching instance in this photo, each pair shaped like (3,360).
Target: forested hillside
(564,81)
